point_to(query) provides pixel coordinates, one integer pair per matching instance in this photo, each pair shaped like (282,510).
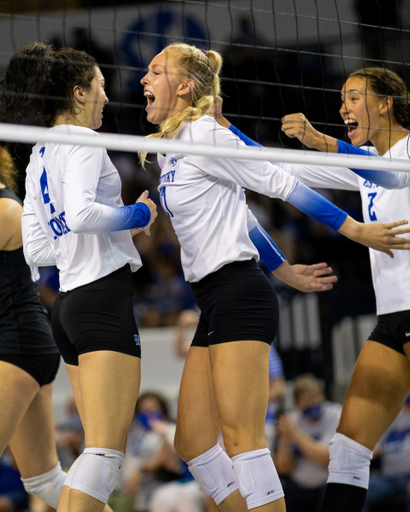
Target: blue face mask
(313,413)
(145,418)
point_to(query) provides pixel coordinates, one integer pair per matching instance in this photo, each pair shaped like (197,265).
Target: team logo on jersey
(137,340)
(173,161)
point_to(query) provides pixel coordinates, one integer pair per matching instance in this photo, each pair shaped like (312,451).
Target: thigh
(33,444)
(240,376)
(18,389)
(376,393)
(198,424)
(109,386)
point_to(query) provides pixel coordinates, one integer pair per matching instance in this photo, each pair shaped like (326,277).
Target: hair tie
(206,53)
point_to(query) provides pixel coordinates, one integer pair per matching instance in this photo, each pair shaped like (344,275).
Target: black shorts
(96,316)
(392,330)
(43,367)
(237,302)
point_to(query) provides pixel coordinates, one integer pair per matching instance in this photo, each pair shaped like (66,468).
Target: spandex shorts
(96,316)
(392,330)
(43,367)
(237,302)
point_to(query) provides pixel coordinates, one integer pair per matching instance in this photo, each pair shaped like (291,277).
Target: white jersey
(391,277)
(307,473)
(204,198)
(72,195)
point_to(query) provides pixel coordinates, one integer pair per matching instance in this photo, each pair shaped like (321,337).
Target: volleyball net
(280,57)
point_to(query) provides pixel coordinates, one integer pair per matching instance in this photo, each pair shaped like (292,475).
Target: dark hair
(8,171)
(38,83)
(156,396)
(385,82)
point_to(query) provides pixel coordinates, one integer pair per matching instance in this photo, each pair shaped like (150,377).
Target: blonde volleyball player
(74,218)
(374,107)
(225,380)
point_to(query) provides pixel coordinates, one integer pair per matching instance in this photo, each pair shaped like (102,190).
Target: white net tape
(134,143)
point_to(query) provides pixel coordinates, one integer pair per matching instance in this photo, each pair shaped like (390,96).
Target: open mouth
(150,99)
(351,127)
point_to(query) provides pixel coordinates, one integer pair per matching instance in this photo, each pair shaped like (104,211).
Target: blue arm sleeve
(385,179)
(243,137)
(269,252)
(136,215)
(305,199)
(316,206)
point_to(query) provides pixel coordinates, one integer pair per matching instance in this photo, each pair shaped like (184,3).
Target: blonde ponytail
(203,67)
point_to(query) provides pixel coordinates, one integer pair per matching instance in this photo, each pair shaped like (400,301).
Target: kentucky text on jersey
(168,177)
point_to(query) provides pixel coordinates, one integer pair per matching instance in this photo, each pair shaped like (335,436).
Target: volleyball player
(374,107)
(73,217)
(224,384)
(29,358)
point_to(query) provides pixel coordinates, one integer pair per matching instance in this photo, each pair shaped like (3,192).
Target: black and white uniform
(204,199)
(391,277)
(74,218)
(25,333)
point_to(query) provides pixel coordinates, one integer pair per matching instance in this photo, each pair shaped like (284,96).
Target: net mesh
(280,56)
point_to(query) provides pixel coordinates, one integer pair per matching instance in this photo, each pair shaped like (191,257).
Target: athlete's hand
(381,236)
(298,126)
(306,278)
(143,198)
(216,112)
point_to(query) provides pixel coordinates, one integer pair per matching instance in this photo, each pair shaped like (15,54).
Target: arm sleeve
(269,252)
(247,140)
(386,179)
(266,178)
(313,176)
(83,213)
(36,247)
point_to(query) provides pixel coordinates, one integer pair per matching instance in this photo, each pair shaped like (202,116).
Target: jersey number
(372,213)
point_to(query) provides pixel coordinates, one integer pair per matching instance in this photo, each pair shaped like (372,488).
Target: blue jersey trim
(385,179)
(269,252)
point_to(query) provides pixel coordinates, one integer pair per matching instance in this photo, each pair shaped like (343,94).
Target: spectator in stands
(276,393)
(302,452)
(13,497)
(393,480)
(150,458)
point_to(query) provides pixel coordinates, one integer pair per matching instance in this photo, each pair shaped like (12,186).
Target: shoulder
(9,208)
(401,149)
(207,130)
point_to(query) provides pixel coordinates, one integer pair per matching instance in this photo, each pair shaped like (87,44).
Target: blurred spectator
(150,460)
(70,436)
(186,321)
(302,452)
(392,483)
(13,497)
(276,393)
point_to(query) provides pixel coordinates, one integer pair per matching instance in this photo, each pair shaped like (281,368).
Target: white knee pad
(213,471)
(349,462)
(257,477)
(96,472)
(72,470)
(47,486)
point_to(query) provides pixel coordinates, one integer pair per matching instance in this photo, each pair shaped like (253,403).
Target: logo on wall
(148,35)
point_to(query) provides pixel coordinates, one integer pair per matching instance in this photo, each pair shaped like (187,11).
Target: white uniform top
(72,195)
(395,446)
(307,473)
(204,198)
(391,277)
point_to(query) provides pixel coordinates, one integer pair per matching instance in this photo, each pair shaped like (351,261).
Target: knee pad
(47,486)
(257,477)
(72,470)
(349,462)
(213,471)
(96,472)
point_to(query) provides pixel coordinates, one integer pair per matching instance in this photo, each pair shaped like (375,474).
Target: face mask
(145,418)
(313,413)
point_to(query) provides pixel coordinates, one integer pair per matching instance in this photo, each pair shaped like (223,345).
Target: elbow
(75,223)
